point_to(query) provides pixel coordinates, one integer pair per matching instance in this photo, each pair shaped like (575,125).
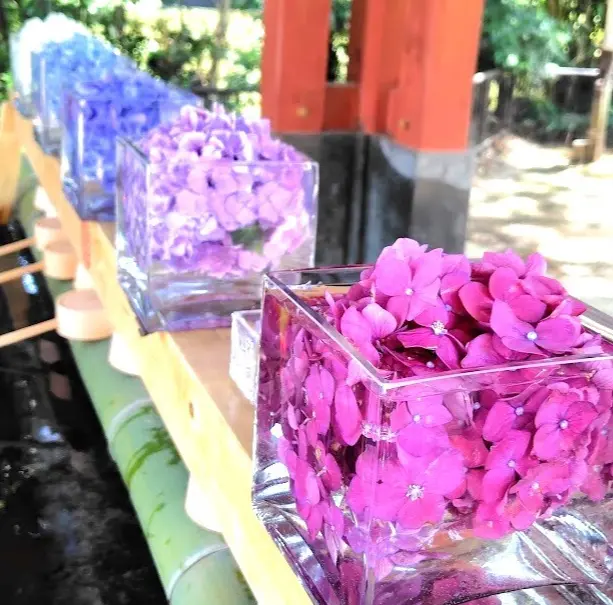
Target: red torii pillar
(392,142)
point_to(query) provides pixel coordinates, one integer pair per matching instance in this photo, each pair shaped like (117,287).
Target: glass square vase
(122,103)
(21,73)
(332,488)
(59,65)
(189,259)
(244,351)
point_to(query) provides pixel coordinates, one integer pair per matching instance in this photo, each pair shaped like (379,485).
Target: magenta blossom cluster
(223,196)
(497,407)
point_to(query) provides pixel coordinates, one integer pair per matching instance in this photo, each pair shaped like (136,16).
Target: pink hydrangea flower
(507,459)
(551,335)
(541,483)
(503,285)
(535,264)
(456,272)
(364,327)
(561,422)
(415,283)
(320,389)
(418,425)
(435,334)
(513,413)
(413,493)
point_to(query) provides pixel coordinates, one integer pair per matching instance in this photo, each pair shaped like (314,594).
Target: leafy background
(218,44)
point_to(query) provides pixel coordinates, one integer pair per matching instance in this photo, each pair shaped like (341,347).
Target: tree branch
(219,42)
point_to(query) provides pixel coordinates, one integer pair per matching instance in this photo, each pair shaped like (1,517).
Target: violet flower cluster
(485,452)
(82,57)
(121,102)
(223,198)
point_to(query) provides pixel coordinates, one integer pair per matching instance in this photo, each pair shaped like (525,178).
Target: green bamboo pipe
(152,471)
(194,565)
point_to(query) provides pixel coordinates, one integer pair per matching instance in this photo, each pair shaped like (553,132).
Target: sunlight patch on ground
(531,198)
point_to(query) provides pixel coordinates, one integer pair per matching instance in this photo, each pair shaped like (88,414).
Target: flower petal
(504,284)
(512,447)
(434,313)
(505,259)
(392,275)
(381,321)
(496,483)
(481,353)
(499,421)
(416,513)
(527,308)
(347,415)
(423,338)
(306,487)
(417,440)
(445,473)
(448,352)
(355,327)
(535,264)
(431,411)
(547,442)
(477,301)
(559,334)
(504,322)
(427,268)
(471,445)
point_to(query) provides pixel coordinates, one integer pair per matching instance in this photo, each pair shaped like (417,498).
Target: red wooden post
(393,141)
(430,109)
(372,58)
(294,61)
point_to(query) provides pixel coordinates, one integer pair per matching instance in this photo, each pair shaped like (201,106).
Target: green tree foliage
(524,35)
(586,19)
(175,49)
(520,35)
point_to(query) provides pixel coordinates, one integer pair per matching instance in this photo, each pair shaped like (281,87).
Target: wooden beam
(430,109)
(377,42)
(10,157)
(602,91)
(294,61)
(341,107)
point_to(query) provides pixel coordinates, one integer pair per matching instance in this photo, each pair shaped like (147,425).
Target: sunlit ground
(530,198)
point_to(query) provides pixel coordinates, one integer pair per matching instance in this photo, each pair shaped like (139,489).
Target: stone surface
(373,191)
(336,154)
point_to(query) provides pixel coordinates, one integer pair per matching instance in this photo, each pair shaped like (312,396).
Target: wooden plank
(10,154)
(186,375)
(17,272)
(47,171)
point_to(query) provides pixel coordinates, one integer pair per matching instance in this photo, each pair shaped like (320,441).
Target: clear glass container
(59,65)
(29,39)
(184,267)
(245,351)
(124,102)
(342,486)
(21,72)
